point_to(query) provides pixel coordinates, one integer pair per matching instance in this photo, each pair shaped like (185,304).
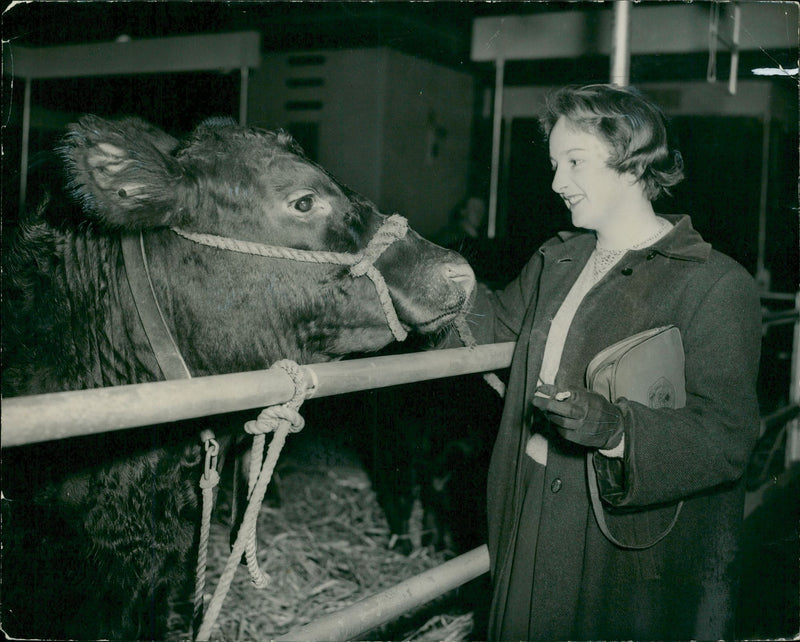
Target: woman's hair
(633,127)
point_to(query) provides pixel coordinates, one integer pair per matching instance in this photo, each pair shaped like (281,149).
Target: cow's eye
(304,204)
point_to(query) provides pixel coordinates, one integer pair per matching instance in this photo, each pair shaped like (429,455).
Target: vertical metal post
(26,130)
(713,35)
(737,23)
(793,428)
(620,46)
(762,275)
(496,137)
(243,86)
(501,227)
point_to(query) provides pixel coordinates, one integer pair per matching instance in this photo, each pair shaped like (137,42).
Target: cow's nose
(461,273)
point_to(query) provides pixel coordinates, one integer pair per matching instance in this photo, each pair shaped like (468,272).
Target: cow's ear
(123,173)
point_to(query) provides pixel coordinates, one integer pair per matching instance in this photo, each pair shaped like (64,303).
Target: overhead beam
(757,98)
(151,55)
(677,28)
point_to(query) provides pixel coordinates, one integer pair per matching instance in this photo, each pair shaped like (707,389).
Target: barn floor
(326,545)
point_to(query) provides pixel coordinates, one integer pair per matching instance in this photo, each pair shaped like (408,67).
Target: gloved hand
(581,416)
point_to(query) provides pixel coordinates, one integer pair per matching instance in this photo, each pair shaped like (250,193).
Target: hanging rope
(281,420)
(465,334)
(393,229)
(271,419)
(208,482)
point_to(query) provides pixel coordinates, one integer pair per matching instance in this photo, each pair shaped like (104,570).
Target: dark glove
(581,416)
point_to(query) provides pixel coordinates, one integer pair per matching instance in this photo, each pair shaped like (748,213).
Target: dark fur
(98,531)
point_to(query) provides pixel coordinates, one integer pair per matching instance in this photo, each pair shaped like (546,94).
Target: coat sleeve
(497,316)
(673,454)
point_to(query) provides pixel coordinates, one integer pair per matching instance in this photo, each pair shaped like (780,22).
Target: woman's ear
(633,180)
(123,173)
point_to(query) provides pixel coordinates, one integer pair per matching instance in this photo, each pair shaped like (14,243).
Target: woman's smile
(598,197)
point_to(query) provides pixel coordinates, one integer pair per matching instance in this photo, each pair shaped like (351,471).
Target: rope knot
(393,229)
(209,480)
(210,476)
(271,418)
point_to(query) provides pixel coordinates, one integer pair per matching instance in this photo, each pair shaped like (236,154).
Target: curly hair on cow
(99,531)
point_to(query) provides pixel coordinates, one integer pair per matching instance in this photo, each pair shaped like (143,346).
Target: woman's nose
(558,182)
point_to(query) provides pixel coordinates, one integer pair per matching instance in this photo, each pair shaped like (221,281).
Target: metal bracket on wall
(714,38)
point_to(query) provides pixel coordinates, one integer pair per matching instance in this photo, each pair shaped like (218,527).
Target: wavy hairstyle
(633,127)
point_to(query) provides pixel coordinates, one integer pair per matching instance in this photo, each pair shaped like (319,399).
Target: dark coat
(581,585)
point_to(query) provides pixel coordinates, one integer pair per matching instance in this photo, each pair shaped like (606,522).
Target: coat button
(627,271)
(556,484)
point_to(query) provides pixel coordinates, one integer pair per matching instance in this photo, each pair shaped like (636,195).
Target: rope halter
(362,263)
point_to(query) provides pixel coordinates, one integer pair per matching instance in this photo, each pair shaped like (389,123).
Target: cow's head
(234,311)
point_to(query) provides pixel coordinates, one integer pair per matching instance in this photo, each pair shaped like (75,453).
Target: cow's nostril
(461,273)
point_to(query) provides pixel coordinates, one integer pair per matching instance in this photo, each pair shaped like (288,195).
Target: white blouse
(600,262)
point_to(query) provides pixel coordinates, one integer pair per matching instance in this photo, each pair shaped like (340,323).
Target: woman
(555,575)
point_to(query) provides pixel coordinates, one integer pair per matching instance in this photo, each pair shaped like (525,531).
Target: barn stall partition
(39,418)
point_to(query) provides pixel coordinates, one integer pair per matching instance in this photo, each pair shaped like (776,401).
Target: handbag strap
(597,507)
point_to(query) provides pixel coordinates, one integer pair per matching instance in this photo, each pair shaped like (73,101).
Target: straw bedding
(326,545)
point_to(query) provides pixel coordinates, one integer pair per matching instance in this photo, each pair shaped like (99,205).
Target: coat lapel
(562,264)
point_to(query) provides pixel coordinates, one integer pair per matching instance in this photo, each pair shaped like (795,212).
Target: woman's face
(593,192)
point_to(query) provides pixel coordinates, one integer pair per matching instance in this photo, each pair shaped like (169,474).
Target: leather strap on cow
(155,326)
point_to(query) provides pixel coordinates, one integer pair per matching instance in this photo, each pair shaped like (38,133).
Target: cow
(98,532)
(441,462)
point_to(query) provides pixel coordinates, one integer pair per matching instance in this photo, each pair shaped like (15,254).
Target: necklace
(604,259)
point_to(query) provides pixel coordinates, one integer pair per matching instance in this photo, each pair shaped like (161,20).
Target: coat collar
(683,242)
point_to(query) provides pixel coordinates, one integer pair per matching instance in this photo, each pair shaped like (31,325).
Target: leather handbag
(647,368)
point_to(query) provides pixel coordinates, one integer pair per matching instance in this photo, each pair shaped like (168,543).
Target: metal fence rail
(37,418)
(58,415)
(388,605)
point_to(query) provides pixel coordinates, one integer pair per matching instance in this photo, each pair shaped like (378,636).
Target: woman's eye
(304,204)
